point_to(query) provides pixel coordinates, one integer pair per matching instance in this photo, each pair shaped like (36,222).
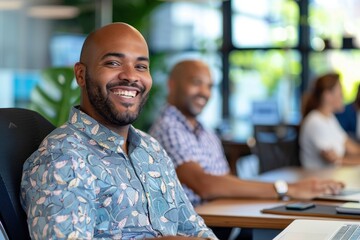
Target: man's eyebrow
(121,55)
(143,59)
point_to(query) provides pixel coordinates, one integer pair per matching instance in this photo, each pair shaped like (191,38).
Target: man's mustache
(140,88)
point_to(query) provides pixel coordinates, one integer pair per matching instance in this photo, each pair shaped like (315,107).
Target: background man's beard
(193,111)
(107,109)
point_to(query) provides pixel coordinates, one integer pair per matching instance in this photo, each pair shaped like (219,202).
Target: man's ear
(170,84)
(80,70)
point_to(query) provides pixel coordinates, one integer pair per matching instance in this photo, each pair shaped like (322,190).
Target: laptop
(346,195)
(306,229)
(3,235)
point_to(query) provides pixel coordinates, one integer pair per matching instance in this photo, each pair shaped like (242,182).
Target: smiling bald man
(97,176)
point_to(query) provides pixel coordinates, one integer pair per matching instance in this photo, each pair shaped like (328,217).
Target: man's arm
(190,223)
(209,186)
(57,193)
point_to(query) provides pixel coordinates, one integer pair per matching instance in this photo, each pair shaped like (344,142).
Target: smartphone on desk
(349,208)
(299,205)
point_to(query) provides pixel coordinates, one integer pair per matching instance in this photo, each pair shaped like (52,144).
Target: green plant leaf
(55,94)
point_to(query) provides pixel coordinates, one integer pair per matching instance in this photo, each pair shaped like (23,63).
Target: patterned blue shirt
(80,184)
(185,143)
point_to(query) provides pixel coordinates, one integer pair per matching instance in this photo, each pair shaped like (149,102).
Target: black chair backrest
(276,146)
(21,132)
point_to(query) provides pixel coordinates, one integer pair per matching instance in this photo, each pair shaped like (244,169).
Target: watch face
(281,187)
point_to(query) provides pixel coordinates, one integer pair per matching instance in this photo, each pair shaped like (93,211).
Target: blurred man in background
(198,154)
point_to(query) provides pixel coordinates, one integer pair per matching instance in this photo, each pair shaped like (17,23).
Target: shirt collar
(101,134)
(173,111)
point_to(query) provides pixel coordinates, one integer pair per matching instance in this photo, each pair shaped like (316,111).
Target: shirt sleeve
(315,132)
(177,145)
(190,223)
(326,136)
(57,192)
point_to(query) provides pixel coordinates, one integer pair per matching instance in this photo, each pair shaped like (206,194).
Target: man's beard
(193,110)
(106,108)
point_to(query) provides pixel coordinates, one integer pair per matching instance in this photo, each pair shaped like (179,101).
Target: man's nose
(128,73)
(205,91)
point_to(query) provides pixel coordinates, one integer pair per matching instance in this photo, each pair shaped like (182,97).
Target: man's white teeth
(127,94)
(201,101)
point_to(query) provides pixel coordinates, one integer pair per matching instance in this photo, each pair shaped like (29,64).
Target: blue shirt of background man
(185,143)
(348,119)
(81,185)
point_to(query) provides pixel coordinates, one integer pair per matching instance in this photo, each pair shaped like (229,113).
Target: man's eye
(196,83)
(112,63)
(142,67)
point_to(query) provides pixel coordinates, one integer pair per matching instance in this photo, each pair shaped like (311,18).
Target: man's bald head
(107,34)
(184,67)
(190,86)
(114,75)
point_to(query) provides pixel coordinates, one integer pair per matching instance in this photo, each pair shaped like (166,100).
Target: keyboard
(348,232)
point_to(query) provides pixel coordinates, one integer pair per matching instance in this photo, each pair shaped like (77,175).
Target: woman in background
(323,141)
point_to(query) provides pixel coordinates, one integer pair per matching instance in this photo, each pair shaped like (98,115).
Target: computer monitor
(265,112)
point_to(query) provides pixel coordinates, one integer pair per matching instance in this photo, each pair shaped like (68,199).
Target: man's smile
(125,93)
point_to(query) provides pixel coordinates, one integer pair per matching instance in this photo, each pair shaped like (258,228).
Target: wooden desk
(246,213)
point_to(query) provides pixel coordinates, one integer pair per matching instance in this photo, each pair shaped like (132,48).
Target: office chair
(21,132)
(276,146)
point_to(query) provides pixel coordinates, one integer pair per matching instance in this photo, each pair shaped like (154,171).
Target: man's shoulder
(64,131)
(165,118)
(53,143)
(169,120)
(61,138)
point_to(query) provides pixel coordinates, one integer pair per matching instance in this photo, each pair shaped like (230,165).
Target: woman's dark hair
(312,99)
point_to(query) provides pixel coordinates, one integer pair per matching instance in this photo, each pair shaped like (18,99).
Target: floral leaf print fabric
(81,185)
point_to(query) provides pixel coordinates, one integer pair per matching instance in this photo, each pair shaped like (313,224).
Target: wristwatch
(281,188)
